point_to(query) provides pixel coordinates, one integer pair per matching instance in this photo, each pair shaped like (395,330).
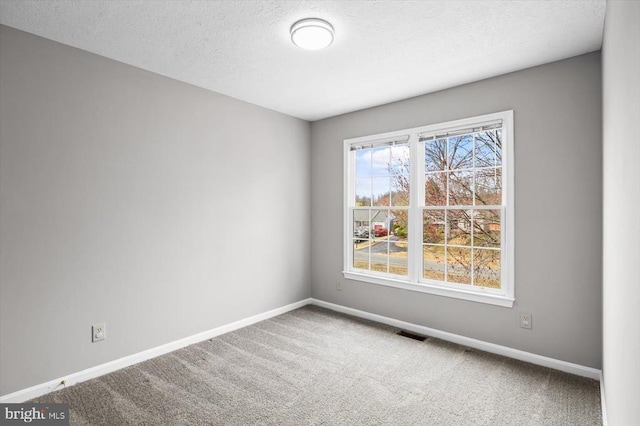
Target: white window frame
(505,296)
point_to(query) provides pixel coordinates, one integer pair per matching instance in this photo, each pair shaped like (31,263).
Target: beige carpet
(316,367)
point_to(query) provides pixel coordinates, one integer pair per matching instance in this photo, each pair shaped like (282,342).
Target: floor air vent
(411,335)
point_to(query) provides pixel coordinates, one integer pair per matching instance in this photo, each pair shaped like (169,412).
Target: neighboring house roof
(362,215)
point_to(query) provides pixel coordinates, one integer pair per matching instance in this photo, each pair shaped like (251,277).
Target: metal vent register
(411,335)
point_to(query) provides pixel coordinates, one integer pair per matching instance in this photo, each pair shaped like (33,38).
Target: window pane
(488,149)
(363,162)
(433,262)
(486,228)
(461,188)
(433,227)
(459,265)
(379,220)
(400,160)
(435,189)
(399,225)
(379,255)
(460,152)
(435,155)
(398,242)
(361,224)
(380,160)
(361,254)
(361,243)
(486,265)
(459,227)
(488,186)
(381,187)
(398,265)
(400,190)
(363,192)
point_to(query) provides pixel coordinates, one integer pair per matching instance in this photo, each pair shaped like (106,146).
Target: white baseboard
(544,361)
(99,370)
(603,404)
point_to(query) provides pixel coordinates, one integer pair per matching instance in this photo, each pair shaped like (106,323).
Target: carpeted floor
(312,366)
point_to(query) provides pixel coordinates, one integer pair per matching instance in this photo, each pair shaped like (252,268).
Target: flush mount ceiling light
(312,34)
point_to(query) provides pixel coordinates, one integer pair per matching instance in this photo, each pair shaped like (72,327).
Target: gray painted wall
(621,154)
(558,173)
(126,197)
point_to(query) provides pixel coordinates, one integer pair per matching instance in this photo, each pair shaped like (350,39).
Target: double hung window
(431,209)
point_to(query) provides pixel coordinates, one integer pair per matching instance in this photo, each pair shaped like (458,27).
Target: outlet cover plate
(98,332)
(526,320)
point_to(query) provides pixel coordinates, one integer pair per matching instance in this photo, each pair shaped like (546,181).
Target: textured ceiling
(383,51)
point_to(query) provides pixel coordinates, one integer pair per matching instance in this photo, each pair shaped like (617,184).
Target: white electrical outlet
(338,284)
(98,332)
(525,320)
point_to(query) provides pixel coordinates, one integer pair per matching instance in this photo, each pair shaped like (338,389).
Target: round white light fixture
(312,34)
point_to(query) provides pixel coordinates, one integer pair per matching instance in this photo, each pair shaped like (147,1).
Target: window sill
(490,299)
